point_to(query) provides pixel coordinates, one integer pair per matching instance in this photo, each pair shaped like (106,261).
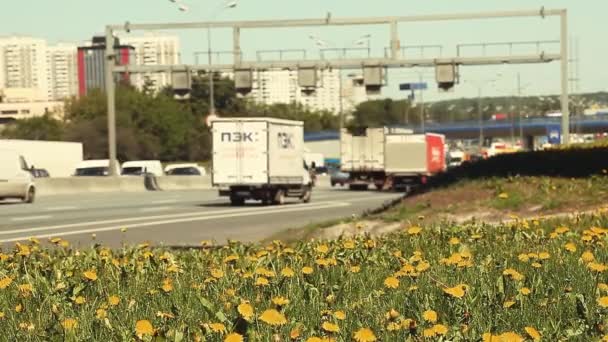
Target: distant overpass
(532,127)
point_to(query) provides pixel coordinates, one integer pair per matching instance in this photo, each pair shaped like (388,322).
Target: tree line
(155,125)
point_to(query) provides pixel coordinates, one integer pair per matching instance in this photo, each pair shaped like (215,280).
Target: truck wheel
(307,195)
(279,197)
(31,195)
(237,201)
(333,184)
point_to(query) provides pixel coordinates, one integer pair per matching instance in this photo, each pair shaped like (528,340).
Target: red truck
(391,158)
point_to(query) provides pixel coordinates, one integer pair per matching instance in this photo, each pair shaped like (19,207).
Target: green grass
(207,285)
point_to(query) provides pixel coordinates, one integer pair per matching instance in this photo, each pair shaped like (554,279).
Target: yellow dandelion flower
(330,327)
(391,282)
(280,301)
(340,315)
(2,315)
(144,328)
(294,334)
(364,335)
(597,267)
(587,256)
(18,308)
(90,275)
(602,287)
(570,247)
(430,316)
(536,265)
(525,291)
(101,313)
(80,300)
(415,230)
(393,326)
(217,273)
(355,269)
(457,291)
(511,337)
(287,272)
(273,317)
(5,282)
(217,328)
(261,281)
(508,304)
(440,329)
(231,258)
(322,249)
(454,241)
(503,195)
(246,311)
(392,314)
(69,324)
(234,337)
(114,300)
(167,285)
(23,250)
(307,270)
(544,255)
(430,332)
(349,244)
(603,302)
(533,333)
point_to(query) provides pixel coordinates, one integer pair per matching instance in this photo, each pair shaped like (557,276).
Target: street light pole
(210,74)
(480,116)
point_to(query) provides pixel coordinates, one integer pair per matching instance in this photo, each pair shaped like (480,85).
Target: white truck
(260,159)
(391,158)
(59,158)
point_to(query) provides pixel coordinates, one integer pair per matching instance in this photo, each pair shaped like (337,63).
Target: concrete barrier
(168,183)
(76,185)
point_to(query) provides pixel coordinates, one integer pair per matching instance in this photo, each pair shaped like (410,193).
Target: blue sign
(413,86)
(554,135)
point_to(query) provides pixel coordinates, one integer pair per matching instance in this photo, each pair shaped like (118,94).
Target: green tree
(40,128)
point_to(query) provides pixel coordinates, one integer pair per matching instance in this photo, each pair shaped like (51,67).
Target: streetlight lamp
(227,5)
(324,44)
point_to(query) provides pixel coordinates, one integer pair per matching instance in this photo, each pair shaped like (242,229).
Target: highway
(171,218)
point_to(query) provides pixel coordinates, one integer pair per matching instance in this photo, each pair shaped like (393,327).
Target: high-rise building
(62,71)
(281,86)
(153,49)
(23,63)
(91,63)
(353,92)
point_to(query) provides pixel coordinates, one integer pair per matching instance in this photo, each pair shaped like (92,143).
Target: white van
(16,180)
(94,168)
(141,167)
(188,169)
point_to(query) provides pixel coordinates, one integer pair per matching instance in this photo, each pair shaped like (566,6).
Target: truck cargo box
(59,158)
(392,151)
(257,151)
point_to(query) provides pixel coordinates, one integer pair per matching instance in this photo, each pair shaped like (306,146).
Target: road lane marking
(182,220)
(60,208)
(157,217)
(31,218)
(152,209)
(167,201)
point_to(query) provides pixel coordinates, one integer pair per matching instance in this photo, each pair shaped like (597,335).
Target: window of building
(9,112)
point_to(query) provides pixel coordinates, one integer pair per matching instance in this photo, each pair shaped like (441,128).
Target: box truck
(391,158)
(260,159)
(59,158)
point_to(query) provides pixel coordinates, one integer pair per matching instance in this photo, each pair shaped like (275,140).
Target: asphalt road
(175,218)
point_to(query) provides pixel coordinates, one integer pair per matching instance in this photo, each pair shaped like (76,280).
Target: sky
(79,20)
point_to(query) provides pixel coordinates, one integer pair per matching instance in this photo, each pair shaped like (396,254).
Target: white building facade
(23,63)
(332,93)
(153,49)
(62,71)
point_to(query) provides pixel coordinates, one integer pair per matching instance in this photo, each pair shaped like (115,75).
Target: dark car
(338,177)
(184,171)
